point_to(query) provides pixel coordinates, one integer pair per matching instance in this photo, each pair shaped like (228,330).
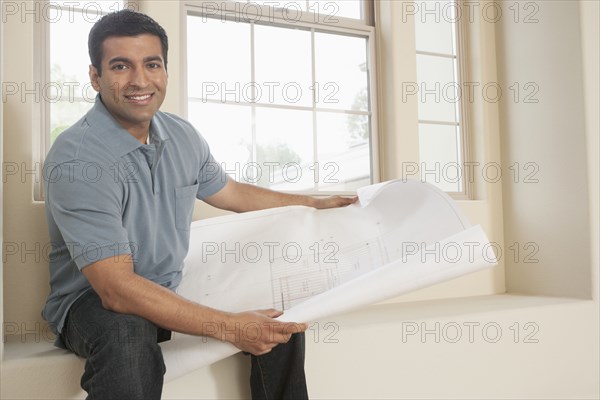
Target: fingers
(271,313)
(351,200)
(295,327)
(257,332)
(336,201)
(276,339)
(262,353)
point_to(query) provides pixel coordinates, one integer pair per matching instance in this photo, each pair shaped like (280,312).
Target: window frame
(460,35)
(463,107)
(462,63)
(352,27)
(41,70)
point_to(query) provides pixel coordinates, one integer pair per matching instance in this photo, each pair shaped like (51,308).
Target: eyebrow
(128,61)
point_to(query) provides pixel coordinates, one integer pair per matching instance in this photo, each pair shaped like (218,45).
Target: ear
(93,73)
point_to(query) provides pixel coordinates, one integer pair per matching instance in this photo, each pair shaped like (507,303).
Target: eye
(118,67)
(154,65)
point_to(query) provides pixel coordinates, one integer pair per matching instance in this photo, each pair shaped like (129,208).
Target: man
(120,187)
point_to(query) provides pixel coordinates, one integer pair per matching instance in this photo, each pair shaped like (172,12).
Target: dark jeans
(124,360)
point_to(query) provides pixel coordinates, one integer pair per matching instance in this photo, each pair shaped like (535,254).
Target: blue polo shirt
(107,194)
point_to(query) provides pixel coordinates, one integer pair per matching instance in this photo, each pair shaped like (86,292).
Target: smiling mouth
(139,98)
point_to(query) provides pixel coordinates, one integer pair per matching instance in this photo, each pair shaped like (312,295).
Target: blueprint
(399,237)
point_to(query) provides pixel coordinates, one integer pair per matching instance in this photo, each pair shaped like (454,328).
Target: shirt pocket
(184,206)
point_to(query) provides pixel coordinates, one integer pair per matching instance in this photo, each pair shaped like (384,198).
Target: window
(62,63)
(440,86)
(70,93)
(285,95)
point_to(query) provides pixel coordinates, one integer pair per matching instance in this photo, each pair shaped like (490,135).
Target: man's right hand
(257,332)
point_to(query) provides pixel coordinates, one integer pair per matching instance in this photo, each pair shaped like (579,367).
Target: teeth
(144,97)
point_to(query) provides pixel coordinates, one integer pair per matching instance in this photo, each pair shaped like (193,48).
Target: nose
(138,78)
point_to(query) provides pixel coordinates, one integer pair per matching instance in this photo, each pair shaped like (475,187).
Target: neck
(141,135)
(139,130)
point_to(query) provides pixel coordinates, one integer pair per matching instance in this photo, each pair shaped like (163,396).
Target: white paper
(399,237)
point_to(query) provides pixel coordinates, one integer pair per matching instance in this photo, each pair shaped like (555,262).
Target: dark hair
(123,23)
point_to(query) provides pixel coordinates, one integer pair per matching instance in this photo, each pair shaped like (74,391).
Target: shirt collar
(117,138)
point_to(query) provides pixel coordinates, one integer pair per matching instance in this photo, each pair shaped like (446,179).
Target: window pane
(281,148)
(284,148)
(69,59)
(330,9)
(334,9)
(69,91)
(89,7)
(433,26)
(341,71)
(343,151)
(289,4)
(64,114)
(218,54)
(283,65)
(438,92)
(227,129)
(439,156)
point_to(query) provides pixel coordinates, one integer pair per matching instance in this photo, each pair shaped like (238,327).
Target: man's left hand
(334,201)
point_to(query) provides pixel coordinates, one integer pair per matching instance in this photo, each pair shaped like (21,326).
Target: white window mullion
(254,155)
(432,122)
(435,54)
(463,108)
(42,71)
(280,106)
(314,102)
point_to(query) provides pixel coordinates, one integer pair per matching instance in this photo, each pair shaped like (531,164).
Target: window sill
(54,373)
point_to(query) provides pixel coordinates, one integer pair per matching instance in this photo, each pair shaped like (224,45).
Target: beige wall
(551,135)
(25,272)
(372,353)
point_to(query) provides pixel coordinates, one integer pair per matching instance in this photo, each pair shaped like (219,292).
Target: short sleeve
(211,177)
(85,202)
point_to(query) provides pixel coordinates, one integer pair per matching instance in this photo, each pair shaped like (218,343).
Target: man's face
(134,80)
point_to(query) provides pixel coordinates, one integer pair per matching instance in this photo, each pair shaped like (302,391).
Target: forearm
(142,297)
(241,197)
(123,291)
(257,198)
